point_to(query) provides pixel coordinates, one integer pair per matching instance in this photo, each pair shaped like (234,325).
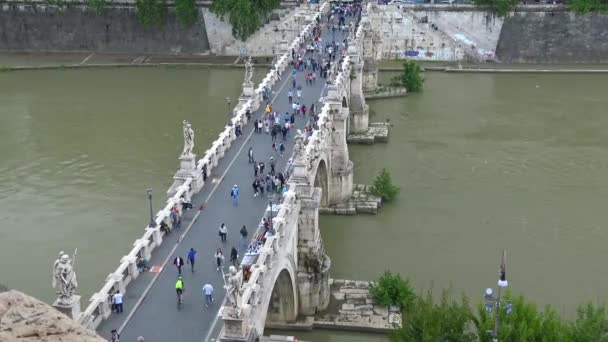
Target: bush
(384,187)
(150,12)
(447,320)
(245,16)
(410,78)
(392,290)
(186,12)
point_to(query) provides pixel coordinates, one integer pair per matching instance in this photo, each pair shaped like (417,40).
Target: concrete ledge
(377,132)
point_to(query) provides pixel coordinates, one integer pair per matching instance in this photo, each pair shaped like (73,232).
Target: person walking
(234,257)
(255,185)
(281,149)
(250,154)
(179,263)
(244,237)
(208,292)
(223,232)
(234,193)
(219,258)
(299,92)
(191,257)
(115,336)
(272,165)
(117,302)
(290,96)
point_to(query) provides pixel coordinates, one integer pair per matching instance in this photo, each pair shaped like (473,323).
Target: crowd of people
(314,60)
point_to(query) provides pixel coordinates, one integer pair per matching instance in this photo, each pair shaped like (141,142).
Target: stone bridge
(285,270)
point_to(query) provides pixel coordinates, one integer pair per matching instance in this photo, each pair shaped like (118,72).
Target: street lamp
(228,101)
(152,221)
(496,302)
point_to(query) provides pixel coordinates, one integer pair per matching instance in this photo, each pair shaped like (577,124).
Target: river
(484,162)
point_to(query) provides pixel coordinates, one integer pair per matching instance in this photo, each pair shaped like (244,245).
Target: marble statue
(188,139)
(233,282)
(248,71)
(298,149)
(64,278)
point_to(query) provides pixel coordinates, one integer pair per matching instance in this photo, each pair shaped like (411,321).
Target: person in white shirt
(208,292)
(117,302)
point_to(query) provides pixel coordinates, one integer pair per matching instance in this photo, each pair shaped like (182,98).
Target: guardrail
(99,306)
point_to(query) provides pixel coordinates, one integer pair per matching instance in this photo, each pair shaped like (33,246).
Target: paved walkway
(157,318)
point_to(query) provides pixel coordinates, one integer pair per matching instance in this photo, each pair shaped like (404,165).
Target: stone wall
(44,28)
(554,37)
(531,34)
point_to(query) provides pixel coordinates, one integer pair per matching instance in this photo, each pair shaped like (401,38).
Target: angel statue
(233,281)
(188,139)
(64,278)
(248,71)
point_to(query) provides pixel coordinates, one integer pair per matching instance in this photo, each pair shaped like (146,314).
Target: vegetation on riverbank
(446,319)
(384,187)
(410,77)
(500,7)
(391,289)
(586,6)
(245,16)
(186,12)
(151,13)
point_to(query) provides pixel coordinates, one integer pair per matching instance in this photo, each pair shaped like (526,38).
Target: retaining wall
(77,28)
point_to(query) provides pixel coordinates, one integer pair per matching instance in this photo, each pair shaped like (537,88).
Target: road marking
(86,59)
(181,238)
(217,317)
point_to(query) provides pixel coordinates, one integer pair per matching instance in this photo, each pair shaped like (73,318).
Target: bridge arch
(283,306)
(322,181)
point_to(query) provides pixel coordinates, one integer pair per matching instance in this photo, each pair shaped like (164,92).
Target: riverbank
(27,60)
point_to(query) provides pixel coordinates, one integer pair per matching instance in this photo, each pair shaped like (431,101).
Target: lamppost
(152,221)
(228,101)
(495,302)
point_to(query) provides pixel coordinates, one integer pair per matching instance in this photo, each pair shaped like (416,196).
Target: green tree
(591,324)
(384,187)
(151,12)
(500,7)
(186,12)
(524,323)
(427,321)
(391,289)
(410,78)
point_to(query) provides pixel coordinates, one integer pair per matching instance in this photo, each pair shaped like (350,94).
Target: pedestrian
(255,186)
(191,257)
(219,258)
(290,96)
(140,339)
(234,257)
(281,149)
(299,92)
(117,302)
(250,154)
(262,168)
(179,263)
(272,165)
(244,232)
(262,185)
(303,109)
(274,147)
(234,193)
(273,134)
(223,232)
(293,80)
(256,169)
(292,119)
(115,336)
(208,292)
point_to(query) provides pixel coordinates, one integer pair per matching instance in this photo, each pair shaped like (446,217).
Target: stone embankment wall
(554,37)
(77,28)
(532,34)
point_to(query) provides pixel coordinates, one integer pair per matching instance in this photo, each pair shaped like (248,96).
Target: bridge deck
(157,317)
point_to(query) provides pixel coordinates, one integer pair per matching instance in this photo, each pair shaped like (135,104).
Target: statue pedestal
(235,329)
(248,93)
(71,310)
(187,169)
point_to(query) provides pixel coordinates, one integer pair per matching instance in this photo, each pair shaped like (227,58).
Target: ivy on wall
(186,12)
(245,16)
(151,13)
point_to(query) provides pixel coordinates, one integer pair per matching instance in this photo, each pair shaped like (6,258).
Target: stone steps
(362,202)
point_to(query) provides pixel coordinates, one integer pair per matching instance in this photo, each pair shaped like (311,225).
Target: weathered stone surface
(25,319)
(381,310)
(348,306)
(339,295)
(393,308)
(356,296)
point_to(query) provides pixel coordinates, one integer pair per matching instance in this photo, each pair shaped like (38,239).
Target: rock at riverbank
(362,201)
(26,319)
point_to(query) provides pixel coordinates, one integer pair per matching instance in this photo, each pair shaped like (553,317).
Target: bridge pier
(341,167)
(313,263)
